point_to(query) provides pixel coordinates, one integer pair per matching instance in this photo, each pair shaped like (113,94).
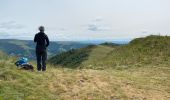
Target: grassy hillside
(82,58)
(26,48)
(72,58)
(137,71)
(140,83)
(151,50)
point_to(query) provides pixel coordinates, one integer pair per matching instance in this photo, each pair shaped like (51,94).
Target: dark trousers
(41,59)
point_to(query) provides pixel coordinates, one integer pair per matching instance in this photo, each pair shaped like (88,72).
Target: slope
(147,83)
(151,50)
(26,48)
(82,58)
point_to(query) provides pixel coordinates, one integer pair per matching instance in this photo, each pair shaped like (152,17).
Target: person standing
(42,42)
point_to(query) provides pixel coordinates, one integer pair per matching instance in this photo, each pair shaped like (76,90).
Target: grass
(72,58)
(151,50)
(128,72)
(140,83)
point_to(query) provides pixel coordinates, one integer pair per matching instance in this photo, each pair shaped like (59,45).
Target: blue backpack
(21,61)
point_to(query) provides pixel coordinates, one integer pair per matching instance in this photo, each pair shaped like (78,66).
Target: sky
(79,20)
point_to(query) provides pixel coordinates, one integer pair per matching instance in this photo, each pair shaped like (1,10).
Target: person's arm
(47,41)
(35,38)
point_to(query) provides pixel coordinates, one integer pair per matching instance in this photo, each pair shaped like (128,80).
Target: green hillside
(151,50)
(140,83)
(26,48)
(137,71)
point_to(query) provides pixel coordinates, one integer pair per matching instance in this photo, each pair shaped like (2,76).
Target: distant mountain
(151,50)
(126,41)
(26,48)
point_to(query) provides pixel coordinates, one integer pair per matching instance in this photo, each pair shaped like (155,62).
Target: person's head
(41,29)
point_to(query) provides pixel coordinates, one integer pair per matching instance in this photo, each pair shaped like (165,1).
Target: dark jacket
(42,41)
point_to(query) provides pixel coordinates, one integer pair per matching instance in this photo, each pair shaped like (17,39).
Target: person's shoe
(44,70)
(38,71)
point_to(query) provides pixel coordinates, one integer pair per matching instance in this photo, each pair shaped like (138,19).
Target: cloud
(98,19)
(98,28)
(93,27)
(11,35)
(11,25)
(97,25)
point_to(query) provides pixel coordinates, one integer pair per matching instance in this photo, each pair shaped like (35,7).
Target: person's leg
(44,58)
(38,61)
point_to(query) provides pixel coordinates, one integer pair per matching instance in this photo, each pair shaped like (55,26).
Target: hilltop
(151,50)
(147,82)
(118,79)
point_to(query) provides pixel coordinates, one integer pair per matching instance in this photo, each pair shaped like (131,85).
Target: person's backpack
(22,63)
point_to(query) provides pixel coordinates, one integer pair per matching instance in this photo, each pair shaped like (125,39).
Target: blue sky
(84,19)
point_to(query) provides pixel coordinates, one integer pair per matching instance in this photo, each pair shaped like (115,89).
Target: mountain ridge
(153,50)
(123,80)
(26,48)
(145,81)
